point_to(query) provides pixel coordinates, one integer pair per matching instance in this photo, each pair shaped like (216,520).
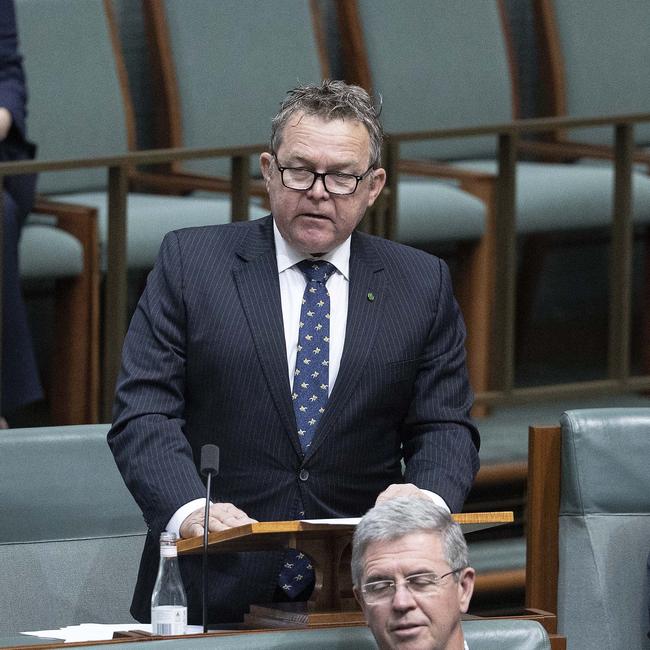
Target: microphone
(209,466)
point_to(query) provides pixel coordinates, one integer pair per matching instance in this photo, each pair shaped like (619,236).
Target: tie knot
(315,270)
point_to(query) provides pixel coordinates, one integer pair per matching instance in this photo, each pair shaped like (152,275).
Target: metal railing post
(622,245)
(241,187)
(116,284)
(506,264)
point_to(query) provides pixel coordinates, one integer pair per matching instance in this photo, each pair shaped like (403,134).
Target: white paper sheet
(98,631)
(350,521)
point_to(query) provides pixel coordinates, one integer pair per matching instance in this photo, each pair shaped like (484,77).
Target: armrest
(79,220)
(568,151)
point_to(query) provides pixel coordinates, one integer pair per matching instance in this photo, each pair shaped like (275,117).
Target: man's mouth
(314,215)
(405,629)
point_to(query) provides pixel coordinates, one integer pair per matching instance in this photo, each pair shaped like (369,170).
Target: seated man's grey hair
(331,100)
(393,519)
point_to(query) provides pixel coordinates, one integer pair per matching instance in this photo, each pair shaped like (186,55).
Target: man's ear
(376,184)
(265,164)
(466,588)
(359,596)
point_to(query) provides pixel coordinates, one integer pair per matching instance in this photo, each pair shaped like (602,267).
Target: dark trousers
(20,382)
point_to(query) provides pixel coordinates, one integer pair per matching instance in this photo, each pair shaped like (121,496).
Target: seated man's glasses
(302,179)
(419,584)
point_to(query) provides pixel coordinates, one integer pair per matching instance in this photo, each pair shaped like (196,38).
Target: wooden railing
(507,136)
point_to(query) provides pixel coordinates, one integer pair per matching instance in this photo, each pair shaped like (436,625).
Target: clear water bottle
(168,601)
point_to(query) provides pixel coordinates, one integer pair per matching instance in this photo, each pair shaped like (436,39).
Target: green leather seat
(71,534)
(604,528)
(80,107)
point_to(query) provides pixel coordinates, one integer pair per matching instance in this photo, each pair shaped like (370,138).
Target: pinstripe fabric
(209,321)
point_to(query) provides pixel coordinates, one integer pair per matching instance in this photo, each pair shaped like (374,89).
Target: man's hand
(5,122)
(222,517)
(401,490)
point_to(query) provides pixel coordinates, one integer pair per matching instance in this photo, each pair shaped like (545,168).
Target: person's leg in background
(20,381)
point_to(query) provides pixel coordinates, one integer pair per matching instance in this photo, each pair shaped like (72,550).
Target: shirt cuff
(437,499)
(174,524)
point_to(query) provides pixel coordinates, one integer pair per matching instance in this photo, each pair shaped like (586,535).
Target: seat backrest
(78,98)
(71,534)
(604,528)
(225,67)
(588,531)
(436,65)
(594,56)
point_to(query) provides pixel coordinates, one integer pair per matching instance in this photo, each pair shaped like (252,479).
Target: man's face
(415,621)
(315,221)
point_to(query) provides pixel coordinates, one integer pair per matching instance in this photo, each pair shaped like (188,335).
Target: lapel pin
(371,296)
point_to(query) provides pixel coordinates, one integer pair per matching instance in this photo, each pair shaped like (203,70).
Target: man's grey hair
(393,519)
(331,100)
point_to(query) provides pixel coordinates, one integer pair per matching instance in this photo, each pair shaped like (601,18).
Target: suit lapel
(366,303)
(256,279)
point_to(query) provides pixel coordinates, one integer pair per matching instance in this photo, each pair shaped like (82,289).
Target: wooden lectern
(325,543)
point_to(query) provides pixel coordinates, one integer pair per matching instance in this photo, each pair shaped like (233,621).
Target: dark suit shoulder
(397,259)
(222,239)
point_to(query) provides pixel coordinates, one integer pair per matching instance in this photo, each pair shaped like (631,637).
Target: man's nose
(318,189)
(403,598)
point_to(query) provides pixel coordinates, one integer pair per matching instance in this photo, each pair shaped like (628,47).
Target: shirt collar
(287,256)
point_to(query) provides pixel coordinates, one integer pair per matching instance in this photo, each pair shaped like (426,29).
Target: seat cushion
(556,197)
(48,252)
(150,217)
(430,211)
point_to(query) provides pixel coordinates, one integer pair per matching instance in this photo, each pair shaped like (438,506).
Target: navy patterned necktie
(311,376)
(309,394)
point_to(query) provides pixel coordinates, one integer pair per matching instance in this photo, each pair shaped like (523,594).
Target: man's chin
(408,637)
(315,242)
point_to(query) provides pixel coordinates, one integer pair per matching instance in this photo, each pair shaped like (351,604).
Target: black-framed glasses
(302,179)
(419,584)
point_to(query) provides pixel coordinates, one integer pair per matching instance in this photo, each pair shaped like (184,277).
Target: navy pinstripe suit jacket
(204,361)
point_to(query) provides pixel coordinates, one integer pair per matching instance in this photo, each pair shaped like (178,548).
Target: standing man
(411,575)
(315,357)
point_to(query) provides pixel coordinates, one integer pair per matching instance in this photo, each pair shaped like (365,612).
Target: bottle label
(168,620)
(168,551)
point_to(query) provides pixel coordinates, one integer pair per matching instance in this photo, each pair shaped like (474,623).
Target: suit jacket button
(304,475)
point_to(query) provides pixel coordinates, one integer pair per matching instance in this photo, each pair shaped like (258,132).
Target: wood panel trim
(544,474)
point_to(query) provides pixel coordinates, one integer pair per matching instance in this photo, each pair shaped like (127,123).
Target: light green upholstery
(75,101)
(605,50)
(438,64)
(604,533)
(443,64)
(48,252)
(234,61)
(77,110)
(71,534)
(495,634)
(582,195)
(150,217)
(438,212)
(497,554)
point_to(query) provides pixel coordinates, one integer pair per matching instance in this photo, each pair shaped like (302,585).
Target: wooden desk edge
(288,527)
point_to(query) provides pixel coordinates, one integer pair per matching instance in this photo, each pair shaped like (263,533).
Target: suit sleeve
(148,433)
(440,441)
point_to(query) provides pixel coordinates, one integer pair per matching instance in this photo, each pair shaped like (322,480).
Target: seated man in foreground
(411,575)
